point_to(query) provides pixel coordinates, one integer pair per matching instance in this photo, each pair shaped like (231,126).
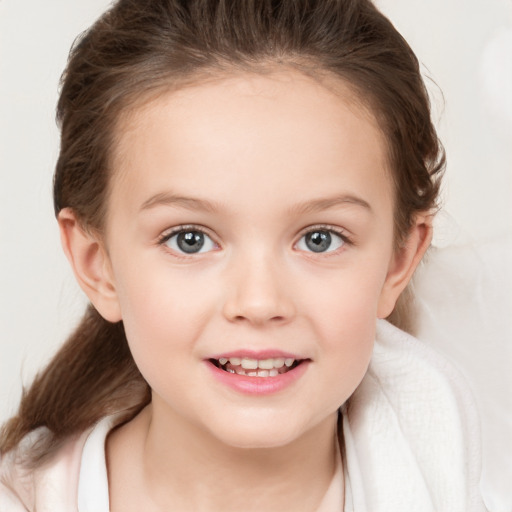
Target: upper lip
(257,354)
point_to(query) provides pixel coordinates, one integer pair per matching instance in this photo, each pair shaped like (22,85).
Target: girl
(244,190)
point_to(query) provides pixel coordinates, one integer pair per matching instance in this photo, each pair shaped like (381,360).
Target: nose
(257,292)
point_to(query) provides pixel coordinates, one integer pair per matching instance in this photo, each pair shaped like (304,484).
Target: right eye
(189,241)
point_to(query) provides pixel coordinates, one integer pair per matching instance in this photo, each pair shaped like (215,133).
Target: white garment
(412,436)
(411,444)
(77,480)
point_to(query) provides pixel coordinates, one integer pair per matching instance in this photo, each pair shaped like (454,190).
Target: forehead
(223,136)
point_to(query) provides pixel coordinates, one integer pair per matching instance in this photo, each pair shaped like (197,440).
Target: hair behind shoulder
(141,47)
(91,376)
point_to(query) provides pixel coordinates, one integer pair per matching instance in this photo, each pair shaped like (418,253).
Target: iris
(318,241)
(190,241)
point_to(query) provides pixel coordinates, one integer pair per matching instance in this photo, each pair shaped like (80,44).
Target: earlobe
(404,263)
(90,264)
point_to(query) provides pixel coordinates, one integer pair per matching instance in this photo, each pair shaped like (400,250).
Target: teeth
(249,364)
(253,373)
(253,364)
(258,367)
(266,364)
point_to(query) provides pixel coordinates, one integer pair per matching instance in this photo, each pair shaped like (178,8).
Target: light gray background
(465,46)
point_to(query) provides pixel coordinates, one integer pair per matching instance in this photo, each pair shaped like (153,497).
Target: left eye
(320,240)
(190,241)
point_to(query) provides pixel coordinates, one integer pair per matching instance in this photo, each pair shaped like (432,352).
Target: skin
(255,162)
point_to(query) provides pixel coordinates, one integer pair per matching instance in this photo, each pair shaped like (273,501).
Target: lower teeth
(274,372)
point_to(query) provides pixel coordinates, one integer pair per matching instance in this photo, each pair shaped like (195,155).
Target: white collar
(93,481)
(411,432)
(93,493)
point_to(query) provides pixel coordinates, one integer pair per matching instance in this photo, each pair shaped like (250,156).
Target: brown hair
(140,47)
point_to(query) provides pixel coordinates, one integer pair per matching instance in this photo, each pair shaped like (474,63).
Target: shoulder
(50,487)
(423,385)
(412,429)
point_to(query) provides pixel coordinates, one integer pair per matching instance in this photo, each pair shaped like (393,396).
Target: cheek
(163,316)
(344,320)
(155,297)
(348,334)
(347,299)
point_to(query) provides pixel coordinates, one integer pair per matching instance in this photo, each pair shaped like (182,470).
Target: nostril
(253,318)
(246,305)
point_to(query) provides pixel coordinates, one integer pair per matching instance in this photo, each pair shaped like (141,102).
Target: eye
(189,241)
(321,240)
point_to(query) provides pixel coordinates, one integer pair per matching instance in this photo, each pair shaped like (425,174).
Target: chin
(246,441)
(270,434)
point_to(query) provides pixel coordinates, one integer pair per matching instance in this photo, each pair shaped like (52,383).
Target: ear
(91,265)
(404,262)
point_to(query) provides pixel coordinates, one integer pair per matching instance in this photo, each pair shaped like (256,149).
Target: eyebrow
(318,205)
(169,199)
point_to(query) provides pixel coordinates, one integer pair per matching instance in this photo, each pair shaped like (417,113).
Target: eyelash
(166,236)
(330,229)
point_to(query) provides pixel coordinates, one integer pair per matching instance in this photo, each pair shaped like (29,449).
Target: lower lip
(258,385)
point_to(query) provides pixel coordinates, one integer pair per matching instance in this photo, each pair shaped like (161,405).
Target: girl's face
(251,224)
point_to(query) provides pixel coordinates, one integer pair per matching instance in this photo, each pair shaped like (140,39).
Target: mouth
(249,367)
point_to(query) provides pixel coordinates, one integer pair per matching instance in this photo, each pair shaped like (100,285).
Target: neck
(188,468)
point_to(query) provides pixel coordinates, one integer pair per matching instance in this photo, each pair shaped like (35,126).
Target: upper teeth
(248,363)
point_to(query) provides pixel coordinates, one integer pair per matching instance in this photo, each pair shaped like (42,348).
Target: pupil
(318,241)
(191,241)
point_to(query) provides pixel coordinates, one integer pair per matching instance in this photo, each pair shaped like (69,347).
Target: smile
(246,366)
(258,373)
